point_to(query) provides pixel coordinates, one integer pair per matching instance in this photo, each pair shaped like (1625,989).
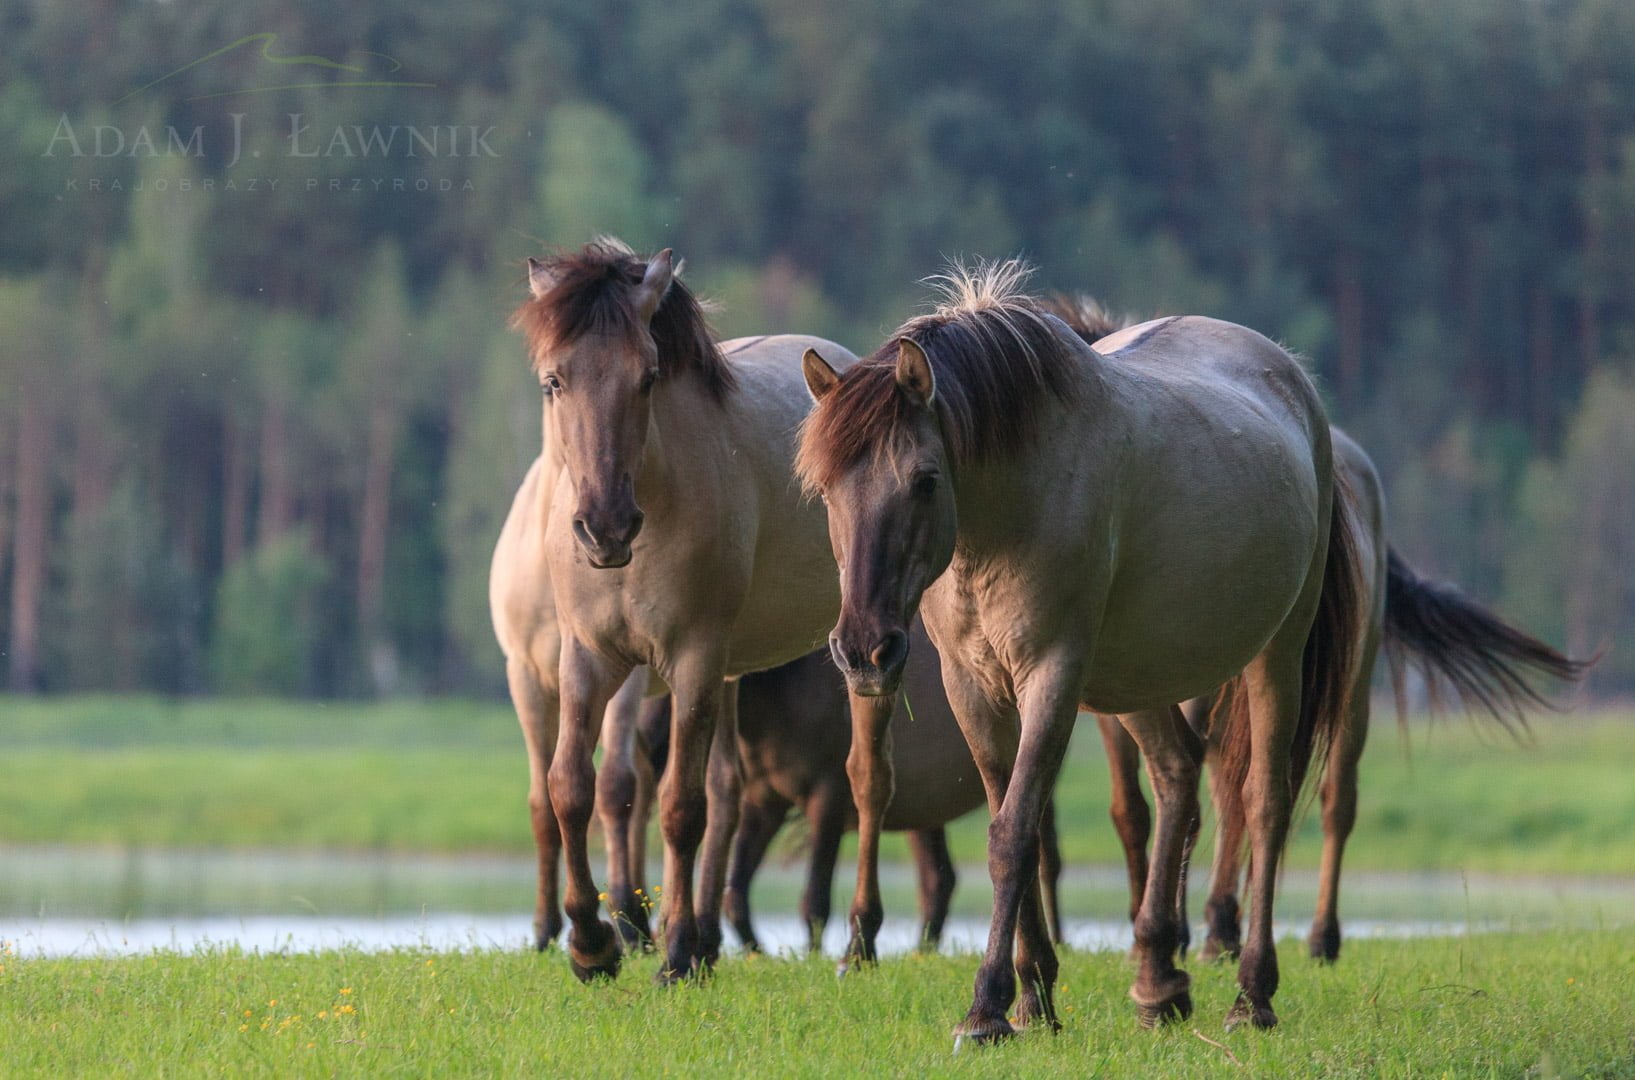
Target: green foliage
(266,626)
(1432,202)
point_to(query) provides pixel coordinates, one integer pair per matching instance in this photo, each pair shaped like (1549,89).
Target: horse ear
(820,377)
(540,278)
(655,283)
(914,372)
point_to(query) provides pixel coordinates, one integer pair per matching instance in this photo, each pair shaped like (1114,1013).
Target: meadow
(1491,1005)
(451,777)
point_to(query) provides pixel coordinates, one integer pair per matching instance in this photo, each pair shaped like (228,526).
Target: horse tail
(1453,639)
(1329,665)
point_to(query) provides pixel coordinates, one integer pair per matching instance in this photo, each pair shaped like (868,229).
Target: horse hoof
(597,958)
(1243,1010)
(1173,1011)
(1325,945)
(982,1031)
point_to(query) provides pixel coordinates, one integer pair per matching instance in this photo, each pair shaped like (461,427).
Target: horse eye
(551,385)
(649,377)
(925,485)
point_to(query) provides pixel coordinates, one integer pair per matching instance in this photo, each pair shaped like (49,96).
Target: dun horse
(793,738)
(663,518)
(1122,531)
(1453,639)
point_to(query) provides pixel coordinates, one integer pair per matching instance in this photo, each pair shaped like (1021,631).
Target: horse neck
(1010,502)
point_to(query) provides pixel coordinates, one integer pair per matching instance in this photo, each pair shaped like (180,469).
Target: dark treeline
(260,414)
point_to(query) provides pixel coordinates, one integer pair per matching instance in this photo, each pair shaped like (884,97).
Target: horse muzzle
(876,669)
(607,542)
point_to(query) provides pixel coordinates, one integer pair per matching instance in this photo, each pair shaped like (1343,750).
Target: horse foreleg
(1339,815)
(760,816)
(935,869)
(1162,991)
(618,784)
(696,703)
(868,767)
(537,713)
(1132,819)
(1047,705)
(724,781)
(826,816)
(588,684)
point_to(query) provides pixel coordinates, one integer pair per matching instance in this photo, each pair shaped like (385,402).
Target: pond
(73,901)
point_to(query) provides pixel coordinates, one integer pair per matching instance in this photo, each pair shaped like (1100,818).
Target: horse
(1120,530)
(1490,665)
(793,739)
(672,536)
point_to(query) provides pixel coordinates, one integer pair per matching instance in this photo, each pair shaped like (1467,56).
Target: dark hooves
(1244,1011)
(597,958)
(1325,945)
(982,1031)
(1173,1011)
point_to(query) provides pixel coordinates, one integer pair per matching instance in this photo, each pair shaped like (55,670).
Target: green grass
(1491,1005)
(451,777)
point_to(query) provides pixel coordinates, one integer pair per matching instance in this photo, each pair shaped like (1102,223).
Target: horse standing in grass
(673,537)
(1455,640)
(794,737)
(1122,531)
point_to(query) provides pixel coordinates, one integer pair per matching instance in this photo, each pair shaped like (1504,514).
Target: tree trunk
(374,522)
(30,540)
(235,495)
(277,473)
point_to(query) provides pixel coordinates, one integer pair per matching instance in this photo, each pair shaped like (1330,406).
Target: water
(70,901)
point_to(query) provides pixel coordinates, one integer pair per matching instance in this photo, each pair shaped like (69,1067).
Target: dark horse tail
(1487,661)
(1328,667)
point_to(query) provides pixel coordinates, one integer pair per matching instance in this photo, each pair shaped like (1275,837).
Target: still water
(69,901)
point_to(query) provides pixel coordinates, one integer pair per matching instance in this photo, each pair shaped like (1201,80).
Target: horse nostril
(890,652)
(635,525)
(582,533)
(839,656)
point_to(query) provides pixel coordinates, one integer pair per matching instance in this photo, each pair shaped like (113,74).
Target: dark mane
(595,294)
(997,359)
(1085,316)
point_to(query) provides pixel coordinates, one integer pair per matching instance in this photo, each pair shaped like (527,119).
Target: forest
(261,413)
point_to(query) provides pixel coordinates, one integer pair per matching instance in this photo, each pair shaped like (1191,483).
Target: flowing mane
(594,293)
(1085,315)
(997,360)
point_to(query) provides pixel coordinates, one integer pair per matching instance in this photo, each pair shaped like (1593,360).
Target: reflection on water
(72,901)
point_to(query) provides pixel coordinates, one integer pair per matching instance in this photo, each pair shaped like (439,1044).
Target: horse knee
(572,791)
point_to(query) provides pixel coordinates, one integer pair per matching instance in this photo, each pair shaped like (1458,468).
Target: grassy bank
(1491,1005)
(451,777)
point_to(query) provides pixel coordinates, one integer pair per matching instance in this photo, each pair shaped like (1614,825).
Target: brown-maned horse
(1123,531)
(1453,639)
(671,536)
(794,736)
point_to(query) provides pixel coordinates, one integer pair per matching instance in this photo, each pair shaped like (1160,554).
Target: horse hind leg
(1132,819)
(618,795)
(935,868)
(1162,991)
(1050,871)
(761,814)
(1223,938)
(724,792)
(826,817)
(536,706)
(1339,794)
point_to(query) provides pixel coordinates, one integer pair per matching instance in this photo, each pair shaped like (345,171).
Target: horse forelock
(996,359)
(594,291)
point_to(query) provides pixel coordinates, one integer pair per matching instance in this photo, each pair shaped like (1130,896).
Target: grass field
(1499,1005)
(451,777)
